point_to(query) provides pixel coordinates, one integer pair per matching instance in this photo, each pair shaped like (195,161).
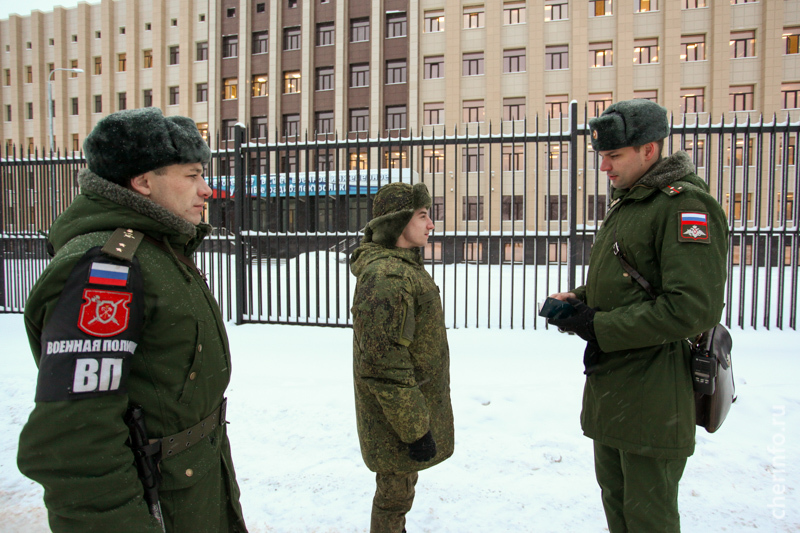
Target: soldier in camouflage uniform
(401,361)
(638,403)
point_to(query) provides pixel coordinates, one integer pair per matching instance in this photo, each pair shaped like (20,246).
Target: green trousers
(640,494)
(393,498)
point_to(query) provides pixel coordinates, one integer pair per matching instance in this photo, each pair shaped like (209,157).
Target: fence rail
(516,212)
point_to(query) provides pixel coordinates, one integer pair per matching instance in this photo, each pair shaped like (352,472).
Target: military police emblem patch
(104,313)
(694,227)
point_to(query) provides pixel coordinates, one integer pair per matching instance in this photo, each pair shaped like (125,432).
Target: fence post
(572,245)
(238,211)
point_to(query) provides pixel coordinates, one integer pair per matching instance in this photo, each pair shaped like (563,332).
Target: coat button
(199,347)
(625,274)
(192,376)
(189,472)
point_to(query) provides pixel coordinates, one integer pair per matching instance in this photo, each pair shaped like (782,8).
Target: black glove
(423,449)
(581,322)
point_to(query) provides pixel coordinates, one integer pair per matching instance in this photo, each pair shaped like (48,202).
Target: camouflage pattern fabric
(394,496)
(401,360)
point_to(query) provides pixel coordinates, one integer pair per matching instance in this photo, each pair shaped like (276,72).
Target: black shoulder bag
(712,368)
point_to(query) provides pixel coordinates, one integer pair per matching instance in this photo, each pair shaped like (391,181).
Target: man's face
(625,165)
(417,230)
(179,188)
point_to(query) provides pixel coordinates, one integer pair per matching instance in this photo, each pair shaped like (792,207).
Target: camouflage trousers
(393,498)
(640,494)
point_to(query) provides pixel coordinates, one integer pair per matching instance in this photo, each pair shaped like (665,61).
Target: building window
(556,57)
(148,59)
(260,85)
(696,150)
(433,163)
(736,2)
(742,98)
(434,21)
(260,7)
(514,13)
(147,98)
(791,36)
(645,51)
(73,63)
(8,113)
(472,111)
(201,17)
(600,55)
(325,34)
(122,101)
(600,8)
(122,30)
(396,117)
(789,93)
(148,26)
(122,60)
(173,22)
(556,10)
(260,42)
(396,71)
(230,88)
(292,4)
(433,113)
(201,92)
(513,207)
(76,145)
(473,251)
(291,125)
(513,157)
(291,82)
(230,12)
(557,156)
(174,55)
(323,122)
(7,77)
(359,30)
(324,80)
(202,51)
(174,95)
(474,17)
(693,4)
(514,60)
(29,110)
(692,100)
(258,128)
(472,64)
(645,6)
(74,38)
(358,161)
(472,206)
(513,109)
(98,66)
(28,74)
(556,106)
(646,95)
(434,68)
(556,207)
(693,47)
(359,75)
(396,24)
(595,210)
(73,105)
(230,46)
(291,38)
(743,44)
(359,119)
(598,102)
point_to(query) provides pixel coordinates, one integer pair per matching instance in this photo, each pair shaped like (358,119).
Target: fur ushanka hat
(629,123)
(129,143)
(392,208)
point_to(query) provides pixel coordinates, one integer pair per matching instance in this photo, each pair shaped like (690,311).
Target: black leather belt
(187,438)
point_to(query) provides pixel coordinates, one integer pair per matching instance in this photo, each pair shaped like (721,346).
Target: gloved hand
(581,322)
(424,449)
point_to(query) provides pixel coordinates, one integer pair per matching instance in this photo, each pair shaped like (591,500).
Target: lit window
(148,59)
(741,98)
(692,100)
(434,21)
(598,102)
(693,48)
(291,82)
(600,55)
(556,10)
(645,6)
(743,44)
(260,85)
(791,36)
(600,8)
(645,51)
(230,88)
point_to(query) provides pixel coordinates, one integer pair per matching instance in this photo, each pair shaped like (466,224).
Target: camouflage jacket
(674,233)
(401,360)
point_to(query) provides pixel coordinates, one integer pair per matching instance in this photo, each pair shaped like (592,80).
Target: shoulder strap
(182,258)
(632,271)
(123,243)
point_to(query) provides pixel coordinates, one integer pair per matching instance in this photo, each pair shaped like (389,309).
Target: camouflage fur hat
(129,143)
(392,209)
(629,123)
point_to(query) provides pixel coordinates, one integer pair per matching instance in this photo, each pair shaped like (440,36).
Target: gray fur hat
(392,208)
(629,123)
(129,143)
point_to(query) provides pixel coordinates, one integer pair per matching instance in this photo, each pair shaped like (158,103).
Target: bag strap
(632,271)
(182,258)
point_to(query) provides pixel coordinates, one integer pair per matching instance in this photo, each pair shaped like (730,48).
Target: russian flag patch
(107,274)
(694,227)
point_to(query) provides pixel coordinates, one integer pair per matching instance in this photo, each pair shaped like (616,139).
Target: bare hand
(562,296)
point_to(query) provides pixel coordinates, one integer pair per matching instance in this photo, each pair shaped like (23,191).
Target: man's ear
(650,151)
(141,184)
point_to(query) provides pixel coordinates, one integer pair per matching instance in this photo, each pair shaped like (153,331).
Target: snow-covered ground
(521,463)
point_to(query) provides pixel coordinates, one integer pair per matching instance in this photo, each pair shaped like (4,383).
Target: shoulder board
(673,189)
(123,244)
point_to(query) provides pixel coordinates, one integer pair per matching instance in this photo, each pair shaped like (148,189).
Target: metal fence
(516,210)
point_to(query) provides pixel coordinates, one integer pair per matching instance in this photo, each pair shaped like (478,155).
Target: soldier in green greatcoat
(638,402)
(401,361)
(121,317)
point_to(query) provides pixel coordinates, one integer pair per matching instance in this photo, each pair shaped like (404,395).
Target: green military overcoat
(401,360)
(639,398)
(178,373)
